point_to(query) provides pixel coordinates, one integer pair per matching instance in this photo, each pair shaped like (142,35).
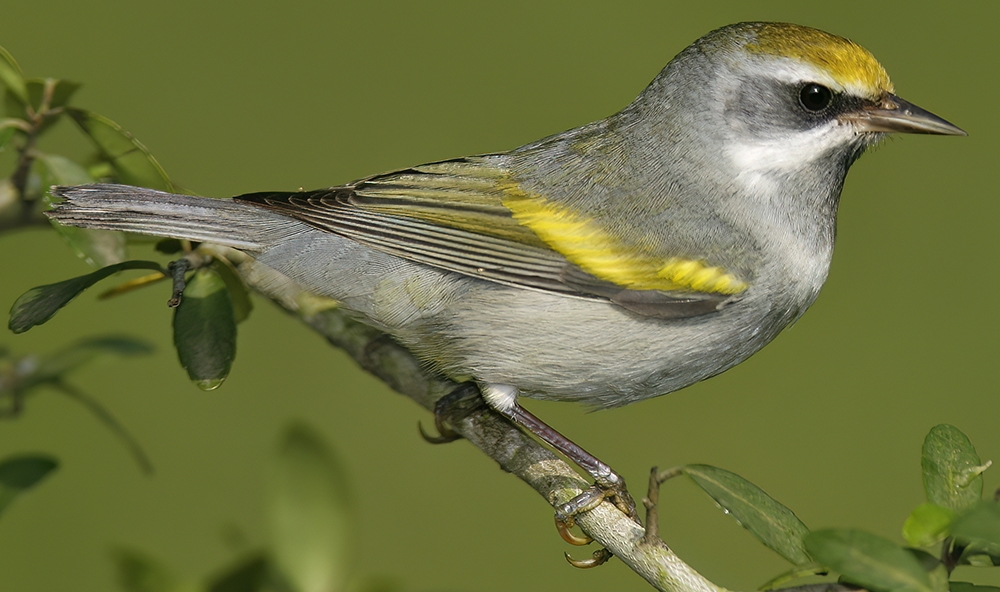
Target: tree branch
(644,552)
(516,453)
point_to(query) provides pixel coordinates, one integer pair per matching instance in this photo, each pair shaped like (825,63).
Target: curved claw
(600,557)
(445,434)
(564,526)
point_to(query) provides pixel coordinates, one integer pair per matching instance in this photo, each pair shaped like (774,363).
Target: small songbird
(621,260)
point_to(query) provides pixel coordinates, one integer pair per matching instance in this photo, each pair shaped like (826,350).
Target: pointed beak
(894,115)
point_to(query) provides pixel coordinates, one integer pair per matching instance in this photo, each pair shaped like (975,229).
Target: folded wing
(462,216)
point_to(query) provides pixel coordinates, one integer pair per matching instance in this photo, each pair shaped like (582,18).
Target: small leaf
(772,523)
(935,569)
(11,76)
(205,330)
(102,171)
(97,247)
(967,587)
(980,554)
(62,91)
(868,560)
(927,525)
(20,473)
(951,469)
(138,572)
(39,304)
(132,161)
(63,171)
(238,291)
(981,523)
(310,514)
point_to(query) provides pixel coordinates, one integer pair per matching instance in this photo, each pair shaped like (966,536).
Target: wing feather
(451,215)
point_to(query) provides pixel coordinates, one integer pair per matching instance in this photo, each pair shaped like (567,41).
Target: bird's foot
(615,492)
(608,485)
(455,405)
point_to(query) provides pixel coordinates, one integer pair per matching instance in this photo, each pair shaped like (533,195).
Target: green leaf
(20,473)
(138,572)
(11,76)
(39,304)
(967,587)
(97,247)
(133,163)
(238,291)
(56,92)
(62,91)
(927,525)
(981,523)
(935,569)
(772,523)
(977,534)
(205,329)
(310,514)
(868,560)
(63,171)
(980,554)
(951,469)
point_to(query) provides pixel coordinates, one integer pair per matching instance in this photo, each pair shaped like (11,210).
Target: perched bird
(621,260)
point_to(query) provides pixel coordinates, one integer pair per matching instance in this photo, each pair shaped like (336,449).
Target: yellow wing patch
(847,62)
(474,195)
(588,246)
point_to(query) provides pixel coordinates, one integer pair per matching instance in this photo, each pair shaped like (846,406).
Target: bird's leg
(608,484)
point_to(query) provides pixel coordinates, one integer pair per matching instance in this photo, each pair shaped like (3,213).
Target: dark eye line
(815,97)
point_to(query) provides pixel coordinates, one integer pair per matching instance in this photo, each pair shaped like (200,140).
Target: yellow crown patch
(849,64)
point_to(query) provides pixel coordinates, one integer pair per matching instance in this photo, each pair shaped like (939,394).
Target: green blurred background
(829,419)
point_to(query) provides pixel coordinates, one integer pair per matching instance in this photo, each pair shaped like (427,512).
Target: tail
(146,211)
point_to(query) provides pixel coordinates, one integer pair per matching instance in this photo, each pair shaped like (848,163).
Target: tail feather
(146,211)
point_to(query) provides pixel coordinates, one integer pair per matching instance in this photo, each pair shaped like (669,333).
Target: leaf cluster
(955,518)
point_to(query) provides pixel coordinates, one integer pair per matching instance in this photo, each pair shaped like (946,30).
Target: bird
(621,260)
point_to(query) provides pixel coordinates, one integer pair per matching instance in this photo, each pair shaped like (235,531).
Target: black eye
(815,97)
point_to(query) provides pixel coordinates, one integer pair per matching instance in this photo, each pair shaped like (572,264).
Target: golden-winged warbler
(617,261)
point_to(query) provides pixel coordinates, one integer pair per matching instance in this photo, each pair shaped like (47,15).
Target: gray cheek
(764,111)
